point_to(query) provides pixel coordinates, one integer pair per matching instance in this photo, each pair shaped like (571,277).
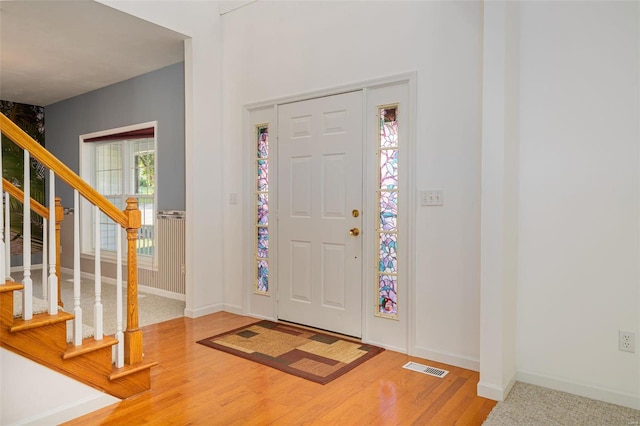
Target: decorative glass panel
(389,168)
(388,262)
(263,142)
(263,175)
(262,209)
(262,284)
(387,272)
(388,301)
(263,242)
(388,210)
(388,128)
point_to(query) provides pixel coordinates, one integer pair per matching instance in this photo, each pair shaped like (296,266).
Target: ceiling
(54,50)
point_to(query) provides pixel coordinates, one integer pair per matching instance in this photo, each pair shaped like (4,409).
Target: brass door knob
(354,231)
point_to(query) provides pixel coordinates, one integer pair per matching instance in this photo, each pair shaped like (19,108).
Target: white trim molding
(581,389)
(456,360)
(491,391)
(385,90)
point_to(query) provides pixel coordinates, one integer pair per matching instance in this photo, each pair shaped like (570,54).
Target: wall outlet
(626,341)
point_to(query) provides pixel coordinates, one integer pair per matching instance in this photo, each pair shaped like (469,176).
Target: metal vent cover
(425,369)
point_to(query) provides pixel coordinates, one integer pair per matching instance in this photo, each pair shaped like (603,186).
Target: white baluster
(45,256)
(97,310)
(7,235)
(119,328)
(4,267)
(77,310)
(6,239)
(53,278)
(27,291)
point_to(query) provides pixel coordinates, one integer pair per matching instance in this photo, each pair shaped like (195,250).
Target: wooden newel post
(132,336)
(59,218)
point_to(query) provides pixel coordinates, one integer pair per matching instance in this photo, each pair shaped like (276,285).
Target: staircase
(113,364)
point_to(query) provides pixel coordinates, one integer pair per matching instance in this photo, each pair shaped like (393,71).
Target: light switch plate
(433,197)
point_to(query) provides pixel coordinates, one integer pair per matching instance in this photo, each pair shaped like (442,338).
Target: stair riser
(92,368)
(43,340)
(6,309)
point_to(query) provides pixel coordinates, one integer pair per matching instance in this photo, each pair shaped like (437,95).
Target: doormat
(305,353)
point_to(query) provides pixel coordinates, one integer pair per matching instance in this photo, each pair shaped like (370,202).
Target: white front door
(319,211)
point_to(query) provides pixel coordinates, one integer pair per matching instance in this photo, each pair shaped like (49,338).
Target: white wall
(576,87)
(33,394)
(277,49)
(499,207)
(579,174)
(203,123)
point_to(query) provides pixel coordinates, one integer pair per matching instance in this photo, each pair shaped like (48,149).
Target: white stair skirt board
(33,394)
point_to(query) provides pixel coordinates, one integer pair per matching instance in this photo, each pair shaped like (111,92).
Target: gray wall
(156,96)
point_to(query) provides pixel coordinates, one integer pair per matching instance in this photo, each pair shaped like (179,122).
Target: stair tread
(10,286)
(88,345)
(131,369)
(40,320)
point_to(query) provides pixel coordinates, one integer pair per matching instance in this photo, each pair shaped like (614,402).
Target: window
(387,268)
(262,209)
(121,165)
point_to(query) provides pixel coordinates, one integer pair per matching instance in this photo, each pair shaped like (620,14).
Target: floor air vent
(420,368)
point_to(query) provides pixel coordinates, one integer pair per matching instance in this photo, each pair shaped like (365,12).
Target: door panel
(320,183)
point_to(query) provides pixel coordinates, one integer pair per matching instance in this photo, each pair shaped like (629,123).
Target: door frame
(374,329)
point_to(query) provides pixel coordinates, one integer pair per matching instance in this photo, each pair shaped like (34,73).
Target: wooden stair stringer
(43,340)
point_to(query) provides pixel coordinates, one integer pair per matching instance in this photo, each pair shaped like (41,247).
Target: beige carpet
(529,405)
(152,309)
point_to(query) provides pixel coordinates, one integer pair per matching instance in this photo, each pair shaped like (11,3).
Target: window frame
(87,169)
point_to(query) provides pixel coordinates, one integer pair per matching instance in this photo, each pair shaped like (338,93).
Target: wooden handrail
(24,141)
(18,194)
(129,219)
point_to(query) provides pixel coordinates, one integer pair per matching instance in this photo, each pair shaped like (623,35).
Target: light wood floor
(196,385)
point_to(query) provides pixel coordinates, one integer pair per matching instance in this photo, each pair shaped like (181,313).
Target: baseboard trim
(141,288)
(205,310)
(260,317)
(593,392)
(21,268)
(491,391)
(162,293)
(233,309)
(382,345)
(448,358)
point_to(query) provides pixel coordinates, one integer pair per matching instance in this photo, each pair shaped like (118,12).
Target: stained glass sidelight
(387,270)
(262,209)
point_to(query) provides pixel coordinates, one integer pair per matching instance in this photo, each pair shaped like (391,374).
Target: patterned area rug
(304,353)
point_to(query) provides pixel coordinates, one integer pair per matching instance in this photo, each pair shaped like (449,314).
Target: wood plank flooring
(196,385)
